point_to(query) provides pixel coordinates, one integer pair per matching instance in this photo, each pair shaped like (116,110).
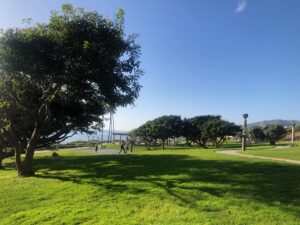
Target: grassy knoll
(152,187)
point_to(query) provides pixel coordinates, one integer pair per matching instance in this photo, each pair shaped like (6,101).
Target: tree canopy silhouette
(59,77)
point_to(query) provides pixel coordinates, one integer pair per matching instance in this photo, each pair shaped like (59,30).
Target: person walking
(122,147)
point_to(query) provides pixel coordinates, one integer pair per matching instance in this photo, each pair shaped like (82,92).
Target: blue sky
(200,57)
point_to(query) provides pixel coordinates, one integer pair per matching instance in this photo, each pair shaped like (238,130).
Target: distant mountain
(284,123)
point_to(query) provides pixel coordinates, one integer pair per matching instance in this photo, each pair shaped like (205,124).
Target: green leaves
(257,133)
(67,8)
(209,128)
(199,129)
(78,62)
(274,133)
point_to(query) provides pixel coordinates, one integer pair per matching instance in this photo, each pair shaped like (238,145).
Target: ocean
(95,136)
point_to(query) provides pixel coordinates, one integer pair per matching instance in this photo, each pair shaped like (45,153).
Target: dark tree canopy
(257,134)
(60,77)
(144,133)
(193,130)
(217,130)
(165,127)
(274,133)
(161,128)
(199,130)
(208,128)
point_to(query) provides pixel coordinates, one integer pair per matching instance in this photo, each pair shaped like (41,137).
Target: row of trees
(271,133)
(199,130)
(60,77)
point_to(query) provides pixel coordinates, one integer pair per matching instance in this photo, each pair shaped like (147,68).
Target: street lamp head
(245,115)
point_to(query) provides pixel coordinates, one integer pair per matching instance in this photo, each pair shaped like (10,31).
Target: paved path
(282,146)
(99,152)
(87,150)
(236,152)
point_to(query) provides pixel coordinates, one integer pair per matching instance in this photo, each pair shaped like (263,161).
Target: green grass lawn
(285,153)
(281,150)
(151,187)
(236,146)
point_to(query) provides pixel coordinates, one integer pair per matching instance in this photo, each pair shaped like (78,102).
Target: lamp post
(244,137)
(293,132)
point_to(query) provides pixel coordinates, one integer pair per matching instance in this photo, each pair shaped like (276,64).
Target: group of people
(125,146)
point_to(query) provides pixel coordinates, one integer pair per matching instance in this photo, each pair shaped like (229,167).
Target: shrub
(55,154)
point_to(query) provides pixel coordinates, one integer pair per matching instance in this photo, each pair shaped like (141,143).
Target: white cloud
(242,4)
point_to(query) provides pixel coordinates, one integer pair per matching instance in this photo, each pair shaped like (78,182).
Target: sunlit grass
(280,152)
(151,187)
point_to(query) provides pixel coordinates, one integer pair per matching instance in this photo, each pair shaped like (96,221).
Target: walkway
(237,152)
(99,152)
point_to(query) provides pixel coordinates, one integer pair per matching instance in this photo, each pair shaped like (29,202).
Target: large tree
(165,127)
(199,130)
(59,78)
(189,131)
(208,128)
(274,133)
(257,134)
(144,133)
(196,129)
(217,130)
(161,128)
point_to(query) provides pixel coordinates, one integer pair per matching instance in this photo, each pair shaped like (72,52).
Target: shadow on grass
(181,176)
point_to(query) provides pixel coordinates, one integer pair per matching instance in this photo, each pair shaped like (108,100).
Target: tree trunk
(28,163)
(163,144)
(189,143)
(201,143)
(1,156)
(1,166)
(19,165)
(219,143)
(147,145)
(131,145)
